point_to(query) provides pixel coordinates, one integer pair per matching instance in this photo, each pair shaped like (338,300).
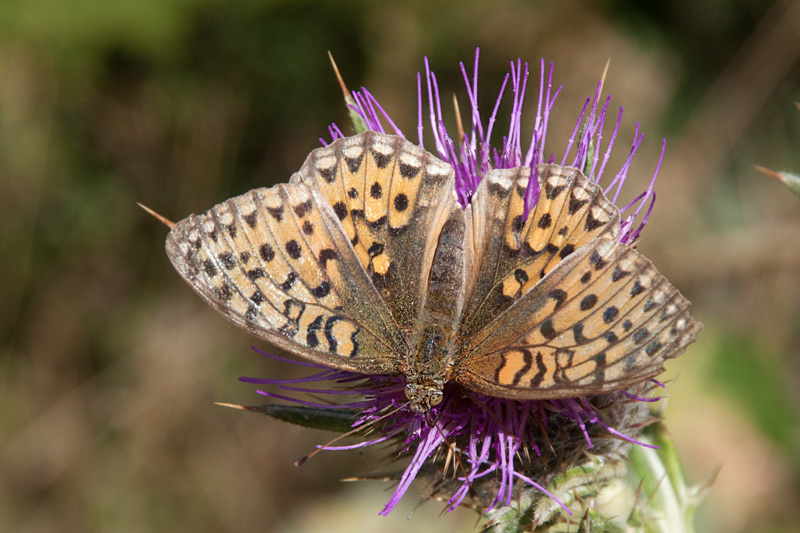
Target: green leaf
(338,420)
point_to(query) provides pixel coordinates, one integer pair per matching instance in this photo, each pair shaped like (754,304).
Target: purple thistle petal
(420,128)
(640,398)
(571,140)
(493,117)
(619,179)
(549,494)
(607,155)
(306,364)
(373,103)
(363,444)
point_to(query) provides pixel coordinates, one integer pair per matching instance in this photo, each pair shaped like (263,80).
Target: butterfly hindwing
(601,320)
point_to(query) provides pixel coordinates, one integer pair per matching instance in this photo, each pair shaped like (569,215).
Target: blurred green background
(110,364)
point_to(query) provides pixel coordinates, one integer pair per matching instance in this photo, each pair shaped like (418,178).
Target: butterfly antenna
(302,460)
(164,220)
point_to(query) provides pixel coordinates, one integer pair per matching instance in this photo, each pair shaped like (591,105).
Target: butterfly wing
(276,263)
(309,266)
(506,258)
(592,320)
(601,320)
(392,199)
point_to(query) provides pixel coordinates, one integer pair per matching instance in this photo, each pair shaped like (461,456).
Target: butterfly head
(424,394)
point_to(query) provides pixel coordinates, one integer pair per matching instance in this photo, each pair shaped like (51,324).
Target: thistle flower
(472,449)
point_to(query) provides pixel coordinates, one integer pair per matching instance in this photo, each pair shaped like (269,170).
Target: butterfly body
(366,262)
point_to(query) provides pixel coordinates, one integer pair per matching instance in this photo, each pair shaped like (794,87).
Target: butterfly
(366,262)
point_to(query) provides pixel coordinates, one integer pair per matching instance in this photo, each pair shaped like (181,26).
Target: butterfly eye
(411,391)
(436,398)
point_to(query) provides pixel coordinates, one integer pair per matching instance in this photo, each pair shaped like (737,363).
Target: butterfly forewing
(601,320)
(276,262)
(511,255)
(392,198)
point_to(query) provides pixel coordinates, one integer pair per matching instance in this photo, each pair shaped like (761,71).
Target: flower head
(473,153)
(475,449)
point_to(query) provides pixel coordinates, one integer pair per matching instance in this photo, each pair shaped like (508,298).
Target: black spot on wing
(321,290)
(401,202)
(610,314)
(637,288)
(291,277)
(575,204)
(597,261)
(552,192)
(545,221)
(588,302)
(409,171)
(652,348)
(340,209)
(327,254)
(592,223)
(209,268)
(224,293)
(527,363)
(258,297)
(382,160)
(618,273)
(227,260)
(251,219)
(293,249)
(577,333)
(328,174)
(312,341)
(354,163)
(255,274)
(302,209)
(559,295)
(266,252)
(541,371)
(276,212)
(640,334)
(566,250)
(546,329)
